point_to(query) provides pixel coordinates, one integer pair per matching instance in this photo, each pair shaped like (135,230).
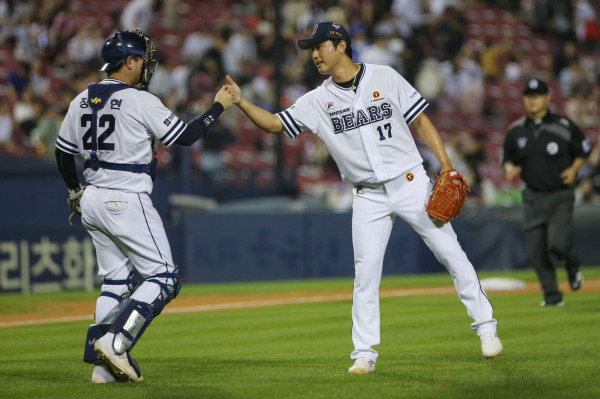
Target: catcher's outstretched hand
(448,195)
(224,97)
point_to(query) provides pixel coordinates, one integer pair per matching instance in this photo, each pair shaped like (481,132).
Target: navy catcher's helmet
(118,46)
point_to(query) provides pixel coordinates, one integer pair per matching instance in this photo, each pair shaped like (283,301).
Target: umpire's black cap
(535,86)
(324,31)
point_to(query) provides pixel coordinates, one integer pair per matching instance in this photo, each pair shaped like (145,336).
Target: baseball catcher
(113,126)
(447,197)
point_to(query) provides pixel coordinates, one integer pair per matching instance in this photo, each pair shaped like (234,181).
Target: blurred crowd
(464,64)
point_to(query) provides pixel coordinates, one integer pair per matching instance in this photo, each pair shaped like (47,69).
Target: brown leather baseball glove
(447,198)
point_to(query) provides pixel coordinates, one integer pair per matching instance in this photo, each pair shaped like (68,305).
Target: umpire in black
(547,150)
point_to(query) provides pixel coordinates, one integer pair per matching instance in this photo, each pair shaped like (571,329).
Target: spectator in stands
(383,51)
(139,14)
(44,134)
(494,57)
(25,114)
(586,23)
(386,26)
(83,47)
(463,83)
(429,81)
(18,79)
(455,142)
(407,16)
(475,157)
(358,31)
(517,65)
(40,82)
(438,7)
(196,44)
(583,105)
(239,48)
(451,29)
(6,123)
(64,26)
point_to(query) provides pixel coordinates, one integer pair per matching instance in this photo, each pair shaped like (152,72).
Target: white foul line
(242,305)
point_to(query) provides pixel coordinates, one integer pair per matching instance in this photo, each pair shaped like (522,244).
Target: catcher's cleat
(102,374)
(119,364)
(362,366)
(490,345)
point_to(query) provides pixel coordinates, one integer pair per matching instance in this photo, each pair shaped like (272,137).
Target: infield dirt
(58,311)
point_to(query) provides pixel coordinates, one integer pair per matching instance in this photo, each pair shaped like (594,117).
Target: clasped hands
(229,94)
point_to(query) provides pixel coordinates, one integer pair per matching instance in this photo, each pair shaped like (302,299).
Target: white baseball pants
(128,234)
(374,210)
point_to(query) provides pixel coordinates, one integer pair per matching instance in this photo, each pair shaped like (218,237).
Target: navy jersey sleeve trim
(173,133)
(415,110)
(291,127)
(66,146)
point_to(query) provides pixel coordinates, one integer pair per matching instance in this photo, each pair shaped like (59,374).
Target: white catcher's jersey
(365,132)
(127,126)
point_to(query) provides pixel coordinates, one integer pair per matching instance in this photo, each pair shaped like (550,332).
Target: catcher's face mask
(151,61)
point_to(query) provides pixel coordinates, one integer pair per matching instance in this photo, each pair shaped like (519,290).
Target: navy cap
(322,32)
(535,86)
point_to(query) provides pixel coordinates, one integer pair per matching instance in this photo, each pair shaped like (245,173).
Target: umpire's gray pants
(548,231)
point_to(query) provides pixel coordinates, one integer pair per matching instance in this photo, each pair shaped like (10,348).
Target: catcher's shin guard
(94,334)
(128,321)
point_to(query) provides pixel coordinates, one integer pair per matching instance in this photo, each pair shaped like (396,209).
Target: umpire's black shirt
(544,148)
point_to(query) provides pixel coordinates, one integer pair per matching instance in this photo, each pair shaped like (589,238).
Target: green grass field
(302,351)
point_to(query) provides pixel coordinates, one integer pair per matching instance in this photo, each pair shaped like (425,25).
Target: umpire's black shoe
(575,280)
(559,304)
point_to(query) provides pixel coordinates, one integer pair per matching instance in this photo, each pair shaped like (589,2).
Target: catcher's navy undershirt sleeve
(198,127)
(67,168)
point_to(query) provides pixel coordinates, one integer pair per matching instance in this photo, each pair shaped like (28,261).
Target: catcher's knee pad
(128,320)
(113,290)
(170,285)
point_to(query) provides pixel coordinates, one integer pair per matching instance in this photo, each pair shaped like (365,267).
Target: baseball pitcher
(362,113)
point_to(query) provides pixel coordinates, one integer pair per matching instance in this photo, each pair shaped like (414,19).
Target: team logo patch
(315,29)
(330,106)
(552,148)
(410,176)
(522,142)
(209,120)
(376,94)
(336,26)
(96,100)
(169,120)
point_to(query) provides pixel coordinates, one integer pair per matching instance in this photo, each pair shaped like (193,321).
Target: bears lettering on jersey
(346,120)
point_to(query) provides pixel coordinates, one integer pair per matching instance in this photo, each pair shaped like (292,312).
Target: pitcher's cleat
(362,366)
(490,344)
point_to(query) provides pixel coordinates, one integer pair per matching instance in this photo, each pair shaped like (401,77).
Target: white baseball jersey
(126,128)
(365,132)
